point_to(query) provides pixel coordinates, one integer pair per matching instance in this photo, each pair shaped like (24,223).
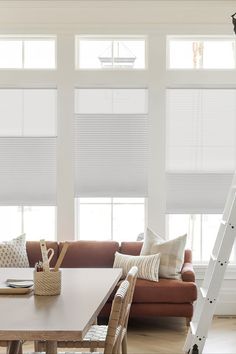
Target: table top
(67,316)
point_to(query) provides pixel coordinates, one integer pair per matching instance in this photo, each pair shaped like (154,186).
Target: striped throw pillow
(148,266)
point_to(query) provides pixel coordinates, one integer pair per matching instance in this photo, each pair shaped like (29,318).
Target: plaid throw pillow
(172,256)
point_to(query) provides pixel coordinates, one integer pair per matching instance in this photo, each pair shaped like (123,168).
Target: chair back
(131,278)
(115,326)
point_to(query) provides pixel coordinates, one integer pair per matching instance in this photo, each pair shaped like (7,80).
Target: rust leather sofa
(168,297)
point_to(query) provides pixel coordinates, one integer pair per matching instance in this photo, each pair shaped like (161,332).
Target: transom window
(110,53)
(201,53)
(27,52)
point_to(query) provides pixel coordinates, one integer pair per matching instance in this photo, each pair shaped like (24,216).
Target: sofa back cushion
(134,249)
(34,252)
(89,254)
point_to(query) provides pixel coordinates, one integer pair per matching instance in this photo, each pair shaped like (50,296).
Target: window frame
(24,38)
(110,38)
(198,38)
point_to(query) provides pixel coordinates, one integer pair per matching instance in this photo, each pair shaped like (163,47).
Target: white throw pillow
(172,256)
(148,266)
(13,253)
(150,238)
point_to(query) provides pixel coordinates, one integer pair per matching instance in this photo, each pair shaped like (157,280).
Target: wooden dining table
(67,316)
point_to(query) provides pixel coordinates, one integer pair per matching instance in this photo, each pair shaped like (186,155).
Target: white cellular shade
(197,193)
(111,155)
(27,112)
(28,171)
(111,101)
(201,148)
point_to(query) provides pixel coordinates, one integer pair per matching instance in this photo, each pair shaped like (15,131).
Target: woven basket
(47,283)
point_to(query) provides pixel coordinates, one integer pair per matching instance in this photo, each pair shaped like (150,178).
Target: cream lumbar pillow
(13,253)
(148,266)
(172,256)
(150,238)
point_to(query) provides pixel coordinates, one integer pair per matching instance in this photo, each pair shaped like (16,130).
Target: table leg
(14,347)
(51,347)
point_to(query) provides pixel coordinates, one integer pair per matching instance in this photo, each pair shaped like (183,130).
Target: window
(200,150)
(202,230)
(27,53)
(119,219)
(110,53)
(111,149)
(36,222)
(27,147)
(201,53)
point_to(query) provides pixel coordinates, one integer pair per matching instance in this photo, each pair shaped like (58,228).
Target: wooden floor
(167,336)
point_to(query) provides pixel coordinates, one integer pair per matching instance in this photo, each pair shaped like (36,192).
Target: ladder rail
(214,276)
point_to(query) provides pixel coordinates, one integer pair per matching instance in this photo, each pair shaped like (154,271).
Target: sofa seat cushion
(89,254)
(165,291)
(170,291)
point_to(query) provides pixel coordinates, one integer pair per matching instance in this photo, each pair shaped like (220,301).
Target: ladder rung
(213,257)
(203,292)
(193,327)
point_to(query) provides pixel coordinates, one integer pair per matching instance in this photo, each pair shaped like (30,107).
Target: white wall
(156,19)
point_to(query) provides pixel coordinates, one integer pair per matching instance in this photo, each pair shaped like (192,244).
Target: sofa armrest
(187,272)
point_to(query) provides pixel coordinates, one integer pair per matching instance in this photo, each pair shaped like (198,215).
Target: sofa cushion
(34,252)
(171,291)
(89,254)
(165,291)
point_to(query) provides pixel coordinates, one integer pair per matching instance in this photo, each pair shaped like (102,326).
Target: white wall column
(156,170)
(65,170)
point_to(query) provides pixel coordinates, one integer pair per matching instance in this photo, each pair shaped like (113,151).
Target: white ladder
(208,294)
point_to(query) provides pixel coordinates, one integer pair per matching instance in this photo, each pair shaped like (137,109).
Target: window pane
(105,53)
(27,112)
(40,222)
(95,200)
(40,112)
(219,55)
(10,54)
(194,130)
(89,51)
(201,230)
(114,101)
(180,55)
(128,222)
(128,200)
(39,54)
(201,53)
(10,225)
(11,112)
(95,221)
(210,226)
